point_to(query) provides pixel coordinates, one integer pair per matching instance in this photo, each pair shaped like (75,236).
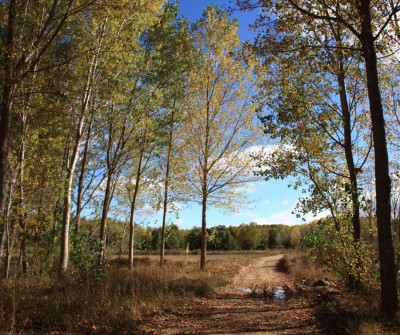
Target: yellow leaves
(219,119)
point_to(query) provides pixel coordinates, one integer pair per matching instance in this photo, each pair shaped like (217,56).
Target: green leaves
(337,250)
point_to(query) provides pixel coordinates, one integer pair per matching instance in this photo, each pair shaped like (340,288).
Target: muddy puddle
(278,293)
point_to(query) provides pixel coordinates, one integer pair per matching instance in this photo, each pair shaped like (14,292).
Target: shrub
(353,262)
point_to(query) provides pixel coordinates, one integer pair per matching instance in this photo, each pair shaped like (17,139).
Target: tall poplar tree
(28,31)
(315,101)
(219,118)
(110,41)
(169,68)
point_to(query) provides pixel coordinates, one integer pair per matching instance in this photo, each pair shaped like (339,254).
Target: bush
(85,257)
(353,262)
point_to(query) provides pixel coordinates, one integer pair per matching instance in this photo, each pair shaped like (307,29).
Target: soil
(248,305)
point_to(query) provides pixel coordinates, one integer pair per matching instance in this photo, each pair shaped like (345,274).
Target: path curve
(261,273)
(246,306)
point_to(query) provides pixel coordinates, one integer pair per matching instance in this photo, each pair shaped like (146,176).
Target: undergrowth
(344,311)
(300,266)
(356,313)
(110,304)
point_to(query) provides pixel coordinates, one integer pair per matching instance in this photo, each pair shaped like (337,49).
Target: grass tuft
(300,266)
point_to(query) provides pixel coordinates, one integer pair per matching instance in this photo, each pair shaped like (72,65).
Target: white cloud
(179,222)
(287,218)
(310,217)
(247,214)
(285,202)
(147,210)
(247,188)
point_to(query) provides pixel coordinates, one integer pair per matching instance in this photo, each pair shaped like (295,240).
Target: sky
(272,201)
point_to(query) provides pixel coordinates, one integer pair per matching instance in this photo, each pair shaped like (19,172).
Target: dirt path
(247,306)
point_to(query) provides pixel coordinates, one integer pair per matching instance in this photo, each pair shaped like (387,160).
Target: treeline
(222,238)
(244,237)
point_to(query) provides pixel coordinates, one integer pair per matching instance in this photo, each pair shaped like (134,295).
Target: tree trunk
(121,245)
(203,230)
(20,203)
(3,239)
(103,222)
(81,179)
(10,231)
(6,218)
(165,207)
(388,271)
(9,87)
(64,252)
(133,208)
(205,171)
(71,164)
(349,152)
(5,126)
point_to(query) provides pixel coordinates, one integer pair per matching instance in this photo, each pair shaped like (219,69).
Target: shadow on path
(232,311)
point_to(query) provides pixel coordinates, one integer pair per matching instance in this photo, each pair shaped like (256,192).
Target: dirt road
(260,300)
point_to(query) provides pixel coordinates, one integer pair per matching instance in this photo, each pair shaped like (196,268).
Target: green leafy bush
(85,256)
(354,262)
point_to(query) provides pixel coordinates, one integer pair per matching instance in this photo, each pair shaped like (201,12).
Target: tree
(28,32)
(193,238)
(248,236)
(295,237)
(172,57)
(80,111)
(366,24)
(314,102)
(219,124)
(110,30)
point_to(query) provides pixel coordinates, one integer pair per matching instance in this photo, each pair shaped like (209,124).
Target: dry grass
(345,311)
(357,313)
(375,328)
(183,252)
(111,304)
(300,266)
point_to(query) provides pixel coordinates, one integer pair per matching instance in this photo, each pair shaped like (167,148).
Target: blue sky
(272,201)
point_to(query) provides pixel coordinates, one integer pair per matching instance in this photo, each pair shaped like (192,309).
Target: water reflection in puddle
(279,293)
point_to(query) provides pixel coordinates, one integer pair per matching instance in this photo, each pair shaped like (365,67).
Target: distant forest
(222,238)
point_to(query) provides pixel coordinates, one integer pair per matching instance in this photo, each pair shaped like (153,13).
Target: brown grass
(300,266)
(353,312)
(195,252)
(111,304)
(357,313)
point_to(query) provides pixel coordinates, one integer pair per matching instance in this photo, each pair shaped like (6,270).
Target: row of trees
(330,96)
(116,108)
(244,237)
